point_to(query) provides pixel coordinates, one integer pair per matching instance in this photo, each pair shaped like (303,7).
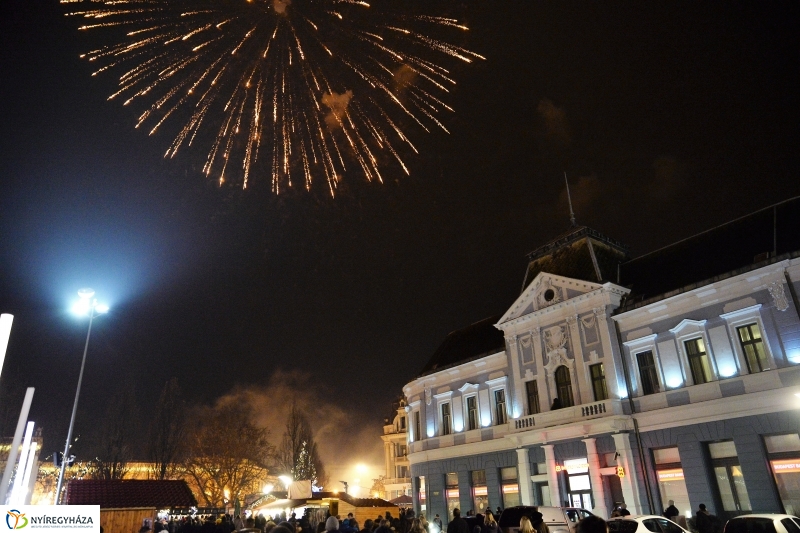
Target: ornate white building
(395,449)
(673,375)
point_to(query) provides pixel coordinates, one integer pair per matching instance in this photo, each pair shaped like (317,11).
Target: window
(402,423)
(730,481)
(447,419)
(472,412)
(451,492)
(671,483)
(532,388)
(564,386)
(784,458)
(647,372)
(402,450)
(698,360)
(402,472)
(500,407)
(480,493)
(509,487)
(417,433)
(599,382)
(753,347)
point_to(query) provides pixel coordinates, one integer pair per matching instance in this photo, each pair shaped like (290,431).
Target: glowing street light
(286,480)
(268,488)
(87,305)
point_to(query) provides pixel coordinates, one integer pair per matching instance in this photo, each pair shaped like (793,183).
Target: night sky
(668,117)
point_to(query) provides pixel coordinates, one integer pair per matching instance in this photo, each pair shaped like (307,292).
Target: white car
(645,523)
(763,523)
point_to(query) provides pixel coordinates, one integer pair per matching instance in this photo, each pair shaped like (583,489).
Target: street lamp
(87,305)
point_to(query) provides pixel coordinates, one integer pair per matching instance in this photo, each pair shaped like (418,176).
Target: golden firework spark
(307,87)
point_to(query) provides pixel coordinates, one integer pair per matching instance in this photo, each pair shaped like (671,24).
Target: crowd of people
(406,522)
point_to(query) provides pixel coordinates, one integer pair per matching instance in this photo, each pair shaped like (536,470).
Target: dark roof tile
(130,493)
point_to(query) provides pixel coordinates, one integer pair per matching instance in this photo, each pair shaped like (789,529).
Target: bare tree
(116,440)
(298,453)
(227,452)
(166,442)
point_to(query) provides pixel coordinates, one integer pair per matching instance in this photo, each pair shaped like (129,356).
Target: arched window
(564,386)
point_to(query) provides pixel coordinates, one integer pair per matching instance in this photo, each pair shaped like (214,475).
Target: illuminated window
(472,412)
(500,407)
(564,386)
(730,480)
(509,488)
(753,348)
(647,372)
(599,382)
(451,492)
(698,360)
(533,397)
(447,419)
(480,493)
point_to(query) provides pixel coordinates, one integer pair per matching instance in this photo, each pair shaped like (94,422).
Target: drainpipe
(633,411)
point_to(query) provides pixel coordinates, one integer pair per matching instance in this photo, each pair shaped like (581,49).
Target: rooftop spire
(569,199)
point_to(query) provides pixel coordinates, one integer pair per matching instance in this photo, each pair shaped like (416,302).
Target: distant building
(395,450)
(673,375)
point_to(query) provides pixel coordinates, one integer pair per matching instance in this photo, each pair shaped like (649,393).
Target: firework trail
(305,88)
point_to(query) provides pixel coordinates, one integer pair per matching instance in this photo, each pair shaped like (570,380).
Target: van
(558,519)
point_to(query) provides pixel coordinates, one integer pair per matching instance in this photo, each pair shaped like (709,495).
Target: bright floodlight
(86,293)
(82,307)
(361,468)
(286,480)
(101,308)
(268,488)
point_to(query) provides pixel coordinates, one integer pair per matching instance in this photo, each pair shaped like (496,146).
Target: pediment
(545,291)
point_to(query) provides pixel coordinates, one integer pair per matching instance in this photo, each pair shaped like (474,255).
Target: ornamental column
(630,486)
(552,475)
(524,476)
(598,492)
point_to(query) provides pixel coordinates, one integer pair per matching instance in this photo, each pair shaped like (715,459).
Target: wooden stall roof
(130,493)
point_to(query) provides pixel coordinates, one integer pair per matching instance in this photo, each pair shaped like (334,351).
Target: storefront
(509,487)
(671,482)
(451,492)
(577,482)
(784,459)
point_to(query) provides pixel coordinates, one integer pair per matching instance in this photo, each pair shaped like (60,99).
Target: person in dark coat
(457,524)
(671,512)
(704,521)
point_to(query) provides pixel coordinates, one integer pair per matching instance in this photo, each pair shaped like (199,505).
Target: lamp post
(86,305)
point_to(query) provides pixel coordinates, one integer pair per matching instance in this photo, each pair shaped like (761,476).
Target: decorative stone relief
(427,395)
(548,294)
(778,294)
(555,338)
(589,327)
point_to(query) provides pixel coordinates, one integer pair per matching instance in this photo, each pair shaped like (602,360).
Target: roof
(579,253)
(732,247)
(325,495)
(130,493)
(472,342)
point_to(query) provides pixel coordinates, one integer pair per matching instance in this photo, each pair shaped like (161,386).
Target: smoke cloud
(343,438)
(586,194)
(280,6)
(337,104)
(555,122)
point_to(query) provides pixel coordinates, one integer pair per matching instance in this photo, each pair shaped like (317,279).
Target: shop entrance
(579,488)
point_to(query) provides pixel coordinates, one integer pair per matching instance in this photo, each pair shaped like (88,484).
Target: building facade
(397,481)
(673,375)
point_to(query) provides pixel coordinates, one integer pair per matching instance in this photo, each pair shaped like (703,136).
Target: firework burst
(306,88)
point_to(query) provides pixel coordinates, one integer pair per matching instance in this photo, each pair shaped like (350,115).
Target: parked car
(558,519)
(644,524)
(763,523)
